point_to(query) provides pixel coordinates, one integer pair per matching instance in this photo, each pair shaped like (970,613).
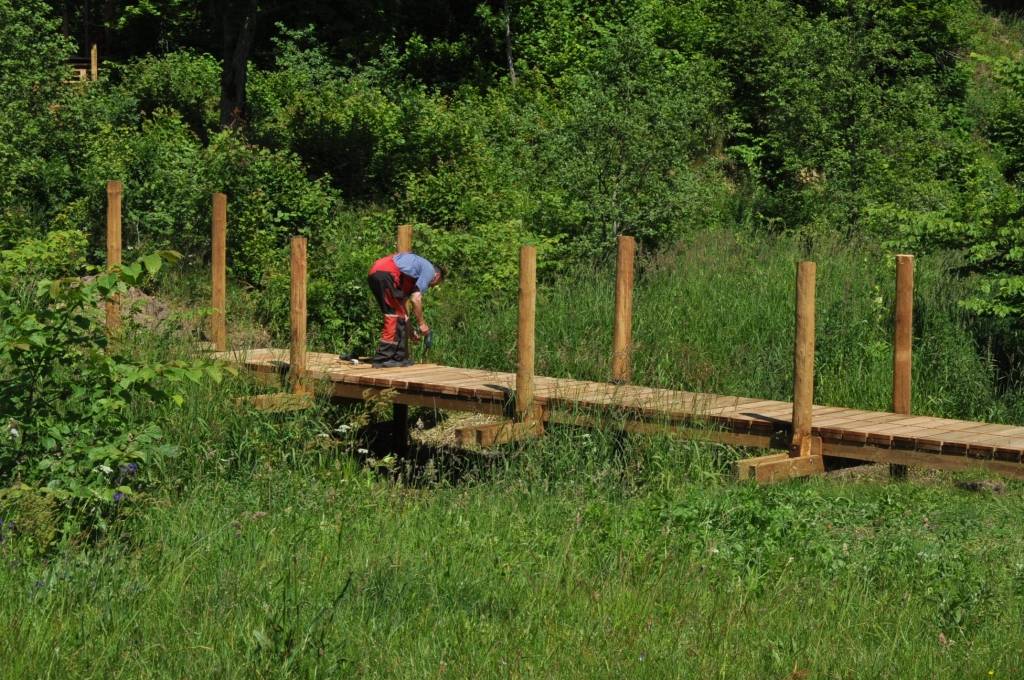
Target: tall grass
(292,574)
(269,549)
(716,314)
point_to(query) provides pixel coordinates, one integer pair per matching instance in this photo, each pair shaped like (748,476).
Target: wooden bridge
(741,421)
(809,436)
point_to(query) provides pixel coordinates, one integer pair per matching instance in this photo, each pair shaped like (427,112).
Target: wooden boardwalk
(745,421)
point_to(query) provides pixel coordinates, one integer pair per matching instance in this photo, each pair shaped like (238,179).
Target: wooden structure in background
(115,191)
(86,69)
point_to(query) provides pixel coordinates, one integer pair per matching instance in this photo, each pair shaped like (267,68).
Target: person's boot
(389,345)
(402,357)
(385,356)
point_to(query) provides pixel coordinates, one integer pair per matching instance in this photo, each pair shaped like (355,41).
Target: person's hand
(424,329)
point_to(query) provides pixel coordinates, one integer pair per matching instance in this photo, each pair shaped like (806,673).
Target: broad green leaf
(153,263)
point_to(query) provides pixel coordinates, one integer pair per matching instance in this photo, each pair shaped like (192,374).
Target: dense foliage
(730,136)
(489,124)
(67,392)
(560,122)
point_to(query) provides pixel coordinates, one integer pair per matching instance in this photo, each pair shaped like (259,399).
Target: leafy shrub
(59,253)
(66,394)
(612,150)
(161,164)
(270,198)
(364,131)
(32,56)
(187,82)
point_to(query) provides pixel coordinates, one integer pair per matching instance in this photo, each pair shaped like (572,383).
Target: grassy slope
(575,556)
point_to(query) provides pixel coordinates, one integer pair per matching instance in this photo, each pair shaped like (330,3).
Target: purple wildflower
(130,469)
(118,497)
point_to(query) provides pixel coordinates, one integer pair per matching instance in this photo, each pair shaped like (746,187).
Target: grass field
(269,548)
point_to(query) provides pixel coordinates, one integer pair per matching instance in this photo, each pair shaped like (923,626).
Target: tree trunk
(86,35)
(508,44)
(108,21)
(239,22)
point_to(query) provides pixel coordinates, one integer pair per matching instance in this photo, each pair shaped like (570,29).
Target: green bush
(187,82)
(270,198)
(67,393)
(32,71)
(58,254)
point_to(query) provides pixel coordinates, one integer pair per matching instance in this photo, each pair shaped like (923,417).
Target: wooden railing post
(94,63)
(115,190)
(622,334)
(404,241)
(218,320)
(902,354)
(297,346)
(803,361)
(400,412)
(525,338)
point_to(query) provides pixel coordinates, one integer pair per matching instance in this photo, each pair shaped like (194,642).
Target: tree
(33,65)
(195,22)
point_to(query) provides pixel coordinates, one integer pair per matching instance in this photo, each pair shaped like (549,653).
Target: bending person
(394,280)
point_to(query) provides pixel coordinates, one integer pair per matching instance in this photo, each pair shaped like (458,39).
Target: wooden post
(525,337)
(94,63)
(297,346)
(902,356)
(400,412)
(218,320)
(803,359)
(114,192)
(622,335)
(404,238)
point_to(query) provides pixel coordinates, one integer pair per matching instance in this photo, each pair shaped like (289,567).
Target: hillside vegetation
(150,526)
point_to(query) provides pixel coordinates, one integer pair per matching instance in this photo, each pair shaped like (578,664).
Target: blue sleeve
(416,267)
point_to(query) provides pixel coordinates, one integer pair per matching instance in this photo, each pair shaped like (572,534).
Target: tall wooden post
(94,63)
(527,327)
(803,359)
(297,346)
(622,334)
(902,356)
(404,242)
(115,191)
(400,412)
(218,320)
